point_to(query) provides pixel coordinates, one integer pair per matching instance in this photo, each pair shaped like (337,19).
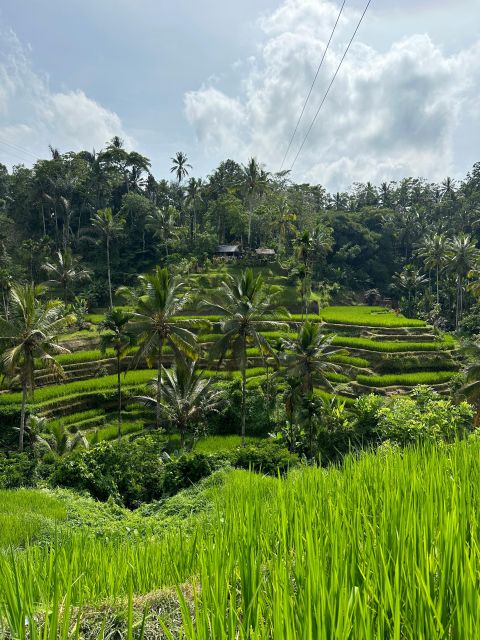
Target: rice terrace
(240,383)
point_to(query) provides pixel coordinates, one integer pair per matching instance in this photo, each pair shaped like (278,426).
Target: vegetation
(192,524)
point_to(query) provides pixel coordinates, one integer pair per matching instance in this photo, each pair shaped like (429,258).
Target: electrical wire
(313,84)
(331,83)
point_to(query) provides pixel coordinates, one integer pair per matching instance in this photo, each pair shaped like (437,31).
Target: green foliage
(406,379)
(26,515)
(447,343)
(369,316)
(267,457)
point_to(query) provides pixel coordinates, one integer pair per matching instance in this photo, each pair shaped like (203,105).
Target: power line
(331,83)
(18,148)
(14,154)
(313,84)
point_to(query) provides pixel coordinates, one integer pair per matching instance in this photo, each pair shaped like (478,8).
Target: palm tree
(119,337)
(193,199)
(154,324)
(6,283)
(108,227)
(307,357)
(30,334)
(188,396)
(180,166)
(285,220)
(462,252)
(409,280)
(254,182)
(246,306)
(434,254)
(65,271)
(162,224)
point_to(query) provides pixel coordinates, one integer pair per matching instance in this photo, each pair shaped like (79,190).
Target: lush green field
(389,548)
(369,316)
(393,346)
(406,379)
(26,515)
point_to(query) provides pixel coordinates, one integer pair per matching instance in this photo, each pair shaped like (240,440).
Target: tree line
(91,221)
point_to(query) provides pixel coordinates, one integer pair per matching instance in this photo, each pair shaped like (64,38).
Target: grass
(25,516)
(349,360)
(389,548)
(72,389)
(213,444)
(110,431)
(406,379)
(368,316)
(388,346)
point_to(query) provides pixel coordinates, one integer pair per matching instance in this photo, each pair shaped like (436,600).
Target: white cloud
(389,114)
(32,116)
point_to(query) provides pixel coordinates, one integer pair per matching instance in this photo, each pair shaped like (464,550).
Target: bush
(269,457)
(424,416)
(17,470)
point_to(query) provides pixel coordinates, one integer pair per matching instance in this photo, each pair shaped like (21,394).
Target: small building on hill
(228,250)
(265,254)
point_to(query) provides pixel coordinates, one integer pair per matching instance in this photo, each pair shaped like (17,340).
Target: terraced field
(381,352)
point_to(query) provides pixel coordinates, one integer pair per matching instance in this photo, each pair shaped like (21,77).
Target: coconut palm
(6,283)
(161,223)
(434,254)
(65,271)
(409,280)
(180,166)
(188,397)
(307,357)
(154,324)
(247,308)
(254,182)
(462,252)
(193,200)
(118,337)
(28,335)
(108,227)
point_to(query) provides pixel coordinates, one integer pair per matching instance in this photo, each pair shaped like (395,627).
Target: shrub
(17,470)
(269,457)
(424,416)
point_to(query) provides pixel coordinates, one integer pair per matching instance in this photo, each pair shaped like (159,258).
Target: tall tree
(307,358)
(65,272)
(30,334)
(155,325)
(462,253)
(180,166)
(433,251)
(117,335)
(254,182)
(247,308)
(188,397)
(108,227)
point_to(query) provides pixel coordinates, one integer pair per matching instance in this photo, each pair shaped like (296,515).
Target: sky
(222,79)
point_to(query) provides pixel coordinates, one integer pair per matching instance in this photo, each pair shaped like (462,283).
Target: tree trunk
(119,392)
(438,278)
(109,274)
(159,386)
(244,390)
(23,415)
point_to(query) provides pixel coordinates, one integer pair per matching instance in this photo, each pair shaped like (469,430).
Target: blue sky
(227,79)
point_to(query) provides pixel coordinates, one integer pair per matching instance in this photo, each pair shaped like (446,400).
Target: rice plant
(388,546)
(406,379)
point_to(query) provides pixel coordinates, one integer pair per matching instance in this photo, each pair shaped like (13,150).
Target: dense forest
(89,222)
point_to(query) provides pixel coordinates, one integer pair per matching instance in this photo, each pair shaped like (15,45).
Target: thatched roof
(228,248)
(263,251)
